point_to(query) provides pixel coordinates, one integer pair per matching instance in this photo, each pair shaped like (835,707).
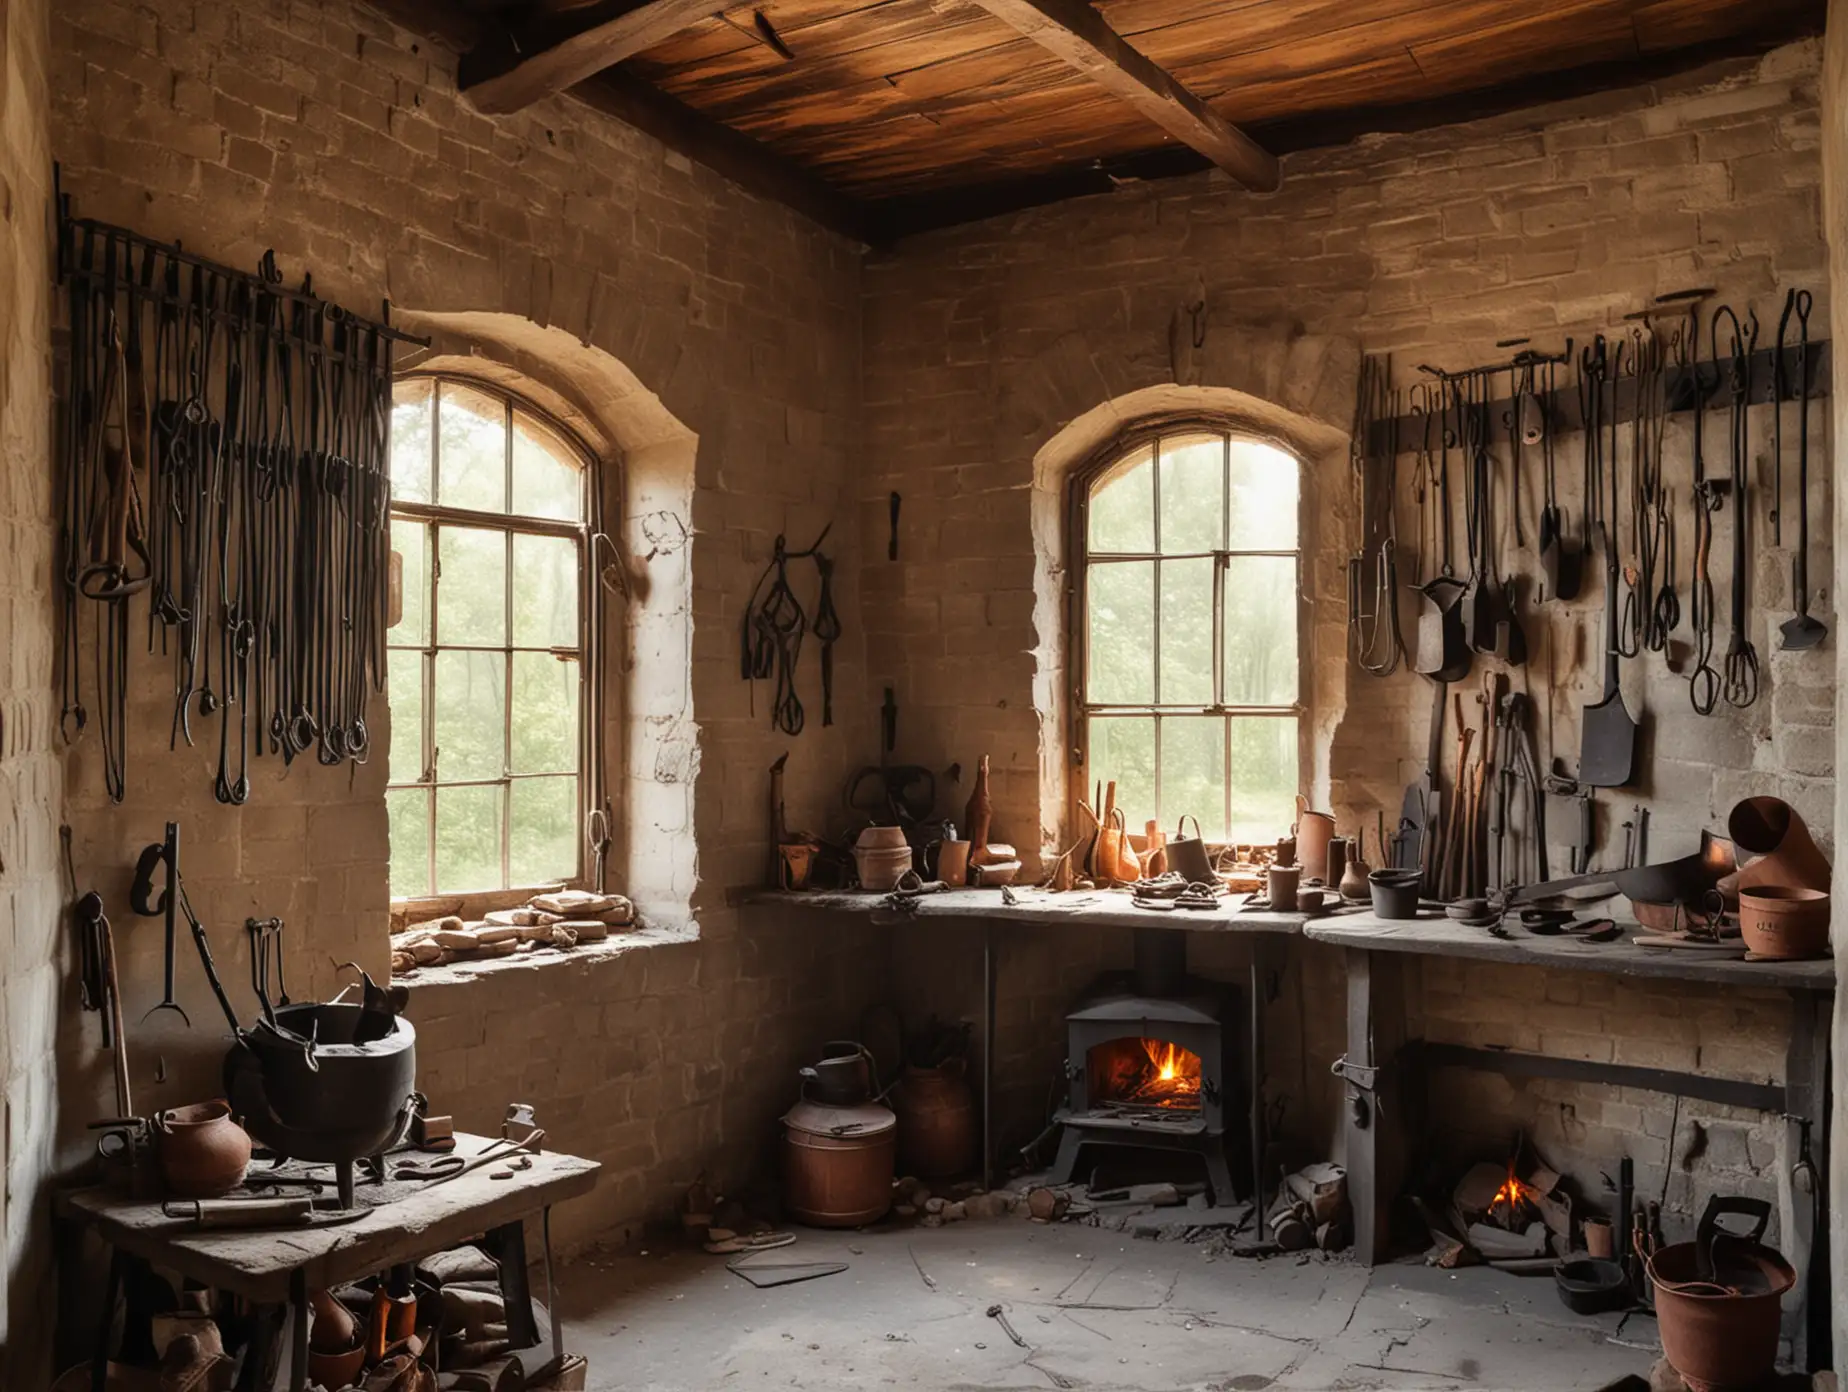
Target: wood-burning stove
(1149,1063)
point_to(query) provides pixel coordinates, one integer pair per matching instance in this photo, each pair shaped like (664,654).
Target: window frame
(1149,433)
(433,516)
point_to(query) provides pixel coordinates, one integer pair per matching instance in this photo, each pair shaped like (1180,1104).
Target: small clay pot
(1784,923)
(1335,860)
(336,1369)
(953,862)
(1283,884)
(1599,1241)
(881,857)
(203,1153)
(1311,901)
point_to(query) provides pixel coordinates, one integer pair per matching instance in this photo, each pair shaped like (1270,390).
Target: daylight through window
(1189,580)
(489,511)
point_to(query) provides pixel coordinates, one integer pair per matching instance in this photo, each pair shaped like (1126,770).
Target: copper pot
(203,1153)
(1718,1301)
(838,1163)
(936,1120)
(1314,830)
(1771,830)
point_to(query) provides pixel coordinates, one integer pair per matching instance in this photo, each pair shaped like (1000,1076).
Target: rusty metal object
(838,1164)
(1718,1300)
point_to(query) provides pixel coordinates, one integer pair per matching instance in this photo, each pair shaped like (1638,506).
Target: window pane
(1193,472)
(404,689)
(542,831)
(1263,776)
(1264,497)
(1261,631)
(545,714)
(545,592)
(411,540)
(1186,648)
(470,723)
(547,479)
(1119,646)
(468,839)
(409,814)
(1123,749)
(1122,509)
(471,597)
(410,439)
(1193,772)
(471,465)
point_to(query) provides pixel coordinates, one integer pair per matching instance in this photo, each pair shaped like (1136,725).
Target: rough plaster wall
(1835,220)
(32,958)
(338,139)
(985,341)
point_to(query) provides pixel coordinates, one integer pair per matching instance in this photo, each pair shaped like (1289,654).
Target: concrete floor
(1099,1309)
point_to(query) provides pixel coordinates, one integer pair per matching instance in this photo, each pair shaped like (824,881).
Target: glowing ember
(1514,1204)
(1145,1073)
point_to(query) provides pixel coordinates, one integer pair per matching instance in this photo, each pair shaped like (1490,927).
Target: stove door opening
(1155,1077)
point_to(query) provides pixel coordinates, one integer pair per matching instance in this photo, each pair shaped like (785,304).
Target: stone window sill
(618,944)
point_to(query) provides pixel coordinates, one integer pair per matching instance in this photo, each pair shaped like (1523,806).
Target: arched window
(1186,618)
(491,511)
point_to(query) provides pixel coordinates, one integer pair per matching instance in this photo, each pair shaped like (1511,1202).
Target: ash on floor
(1097,1309)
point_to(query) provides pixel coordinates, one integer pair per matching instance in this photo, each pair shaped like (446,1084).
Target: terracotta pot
(203,1153)
(936,1121)
(838,1164)
(1353,884)
(1784,923)
(1599,1241)
(1771,830)
(953,862)
(336,1369)
(1282,885)
(1311,901)
(1314,831)
(878,860)
(1155,850)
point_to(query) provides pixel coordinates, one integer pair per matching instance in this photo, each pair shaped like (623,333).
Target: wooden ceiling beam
(1079,36)
(516,67)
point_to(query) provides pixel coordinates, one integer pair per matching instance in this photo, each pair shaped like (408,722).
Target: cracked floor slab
(1096,1309)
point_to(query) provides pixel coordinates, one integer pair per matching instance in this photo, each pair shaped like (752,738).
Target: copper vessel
(936,1120)
(1771,830)
(838,1163)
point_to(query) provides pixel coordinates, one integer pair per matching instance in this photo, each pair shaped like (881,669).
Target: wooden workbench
(1110,908)
(1385,1071)
(277,1267)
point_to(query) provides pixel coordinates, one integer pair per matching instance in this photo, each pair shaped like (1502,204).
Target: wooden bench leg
(1374,1122)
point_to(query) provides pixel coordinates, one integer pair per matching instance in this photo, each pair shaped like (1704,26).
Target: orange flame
(1176,1077)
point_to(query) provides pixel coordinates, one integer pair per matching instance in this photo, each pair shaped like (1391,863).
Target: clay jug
(1354,885)
(1155,850)
(203,1153)
(979,816)
(1314,830)
(953,862)
(1772,830)
(936,1121)
(1335,857)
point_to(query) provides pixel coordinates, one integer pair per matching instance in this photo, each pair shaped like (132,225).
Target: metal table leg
(99,1360)
(551,1290)
(988,1055)
(298,1331)
(1259,994)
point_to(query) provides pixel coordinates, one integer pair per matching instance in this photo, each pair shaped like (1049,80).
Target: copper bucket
(1718,1301)
(838,1163)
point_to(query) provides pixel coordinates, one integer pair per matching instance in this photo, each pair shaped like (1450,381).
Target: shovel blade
(1801,631)
(1607,754)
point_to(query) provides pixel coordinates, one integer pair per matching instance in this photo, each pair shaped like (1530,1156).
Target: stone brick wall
(986,342)
(337,138)
(32,943)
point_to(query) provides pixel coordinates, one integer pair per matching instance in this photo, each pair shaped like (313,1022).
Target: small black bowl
(1592,1285)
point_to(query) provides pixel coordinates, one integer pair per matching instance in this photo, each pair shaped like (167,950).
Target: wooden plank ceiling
(911,105)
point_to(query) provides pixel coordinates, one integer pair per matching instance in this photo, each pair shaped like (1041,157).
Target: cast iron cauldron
(352,1101)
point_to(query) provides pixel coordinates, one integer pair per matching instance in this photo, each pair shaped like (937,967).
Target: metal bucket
(1718,1313)
(838,1164)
